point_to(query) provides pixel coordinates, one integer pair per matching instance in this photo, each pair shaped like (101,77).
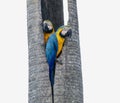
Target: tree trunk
(68,78)
(73,75)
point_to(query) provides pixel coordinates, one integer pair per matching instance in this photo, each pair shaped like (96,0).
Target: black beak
(69,33)
(44,26)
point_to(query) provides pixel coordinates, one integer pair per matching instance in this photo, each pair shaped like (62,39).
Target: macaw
(48,29)
(53,49)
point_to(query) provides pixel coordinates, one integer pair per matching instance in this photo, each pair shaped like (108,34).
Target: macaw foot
(59,61)
(43,45)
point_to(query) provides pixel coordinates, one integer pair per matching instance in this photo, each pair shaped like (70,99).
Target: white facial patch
(50,27)
(64,32)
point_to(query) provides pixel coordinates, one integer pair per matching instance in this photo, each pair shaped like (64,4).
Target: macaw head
(66,31)
(47,26)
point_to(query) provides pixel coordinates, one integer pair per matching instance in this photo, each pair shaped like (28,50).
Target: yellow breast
(60,41)
(46,36)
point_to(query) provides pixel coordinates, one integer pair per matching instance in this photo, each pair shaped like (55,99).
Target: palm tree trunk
(73,84)
(39,86)
(68,79)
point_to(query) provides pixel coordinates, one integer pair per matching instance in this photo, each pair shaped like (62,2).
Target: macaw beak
(44,26)
(69,33)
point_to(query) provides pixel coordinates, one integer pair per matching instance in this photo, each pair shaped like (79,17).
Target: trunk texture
(68,78)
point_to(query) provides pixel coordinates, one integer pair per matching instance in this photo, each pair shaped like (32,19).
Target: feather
(51,51)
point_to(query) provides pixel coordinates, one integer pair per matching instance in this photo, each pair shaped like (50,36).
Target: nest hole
(53,10)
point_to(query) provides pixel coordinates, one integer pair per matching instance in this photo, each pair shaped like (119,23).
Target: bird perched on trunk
(48,29)
(54,47)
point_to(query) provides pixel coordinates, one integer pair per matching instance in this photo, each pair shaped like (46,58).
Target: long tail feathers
(52,90)
(52,86)
(52,77)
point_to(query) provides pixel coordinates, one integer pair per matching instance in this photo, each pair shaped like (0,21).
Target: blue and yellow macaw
(48,29)
(53,49)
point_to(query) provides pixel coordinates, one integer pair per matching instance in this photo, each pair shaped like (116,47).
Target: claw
(59,61)
(43,44)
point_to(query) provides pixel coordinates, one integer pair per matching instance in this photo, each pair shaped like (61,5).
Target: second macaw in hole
(48,29)
(54,47)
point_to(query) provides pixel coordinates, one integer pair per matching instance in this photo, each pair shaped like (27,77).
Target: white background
(99,24)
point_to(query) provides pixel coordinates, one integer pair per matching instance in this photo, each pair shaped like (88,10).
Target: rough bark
(39,86)
(68,79)
(73,75)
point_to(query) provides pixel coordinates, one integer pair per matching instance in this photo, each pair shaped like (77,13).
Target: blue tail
(52,77)
(52,73)
(52,90)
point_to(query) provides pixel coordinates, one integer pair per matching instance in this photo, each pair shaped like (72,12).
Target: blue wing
(51,52)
